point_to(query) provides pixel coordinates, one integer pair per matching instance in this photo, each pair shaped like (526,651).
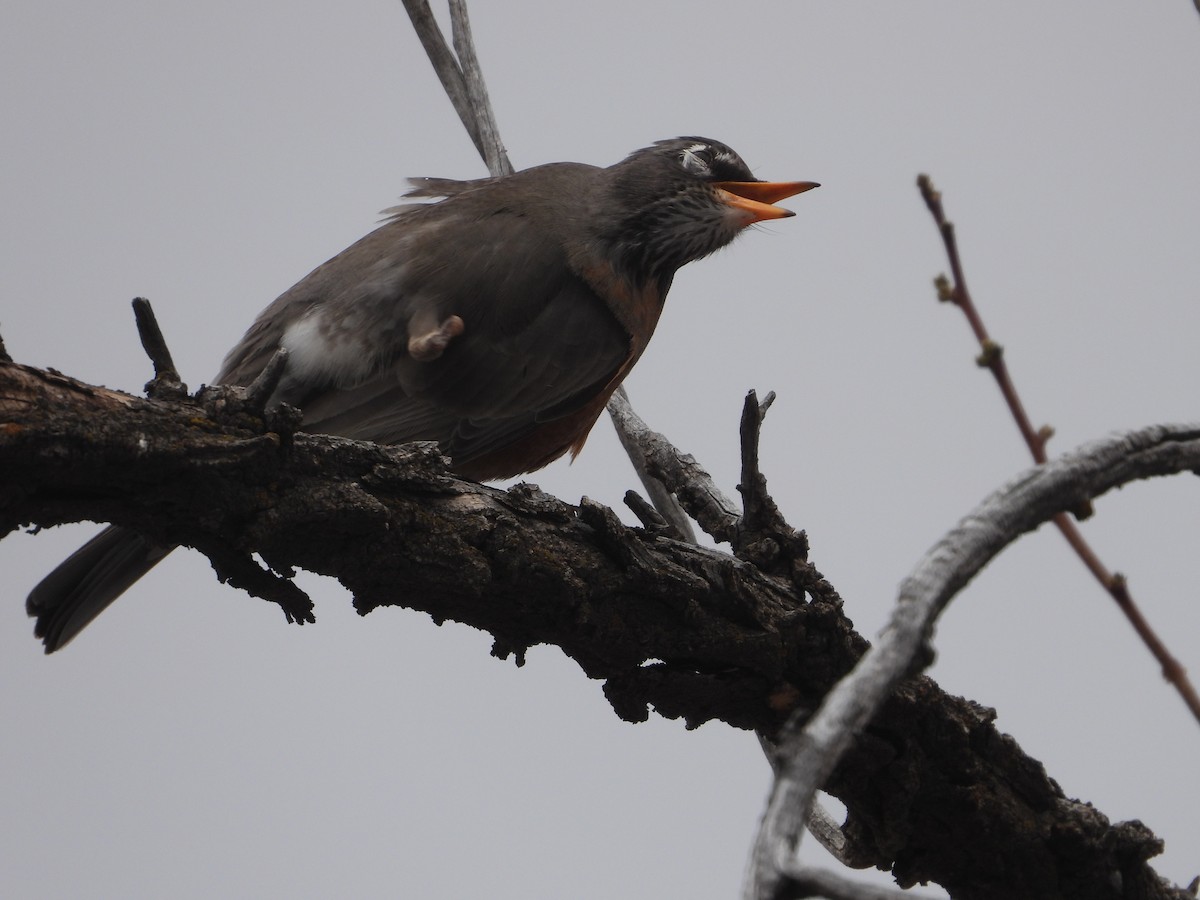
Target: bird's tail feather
(84,584)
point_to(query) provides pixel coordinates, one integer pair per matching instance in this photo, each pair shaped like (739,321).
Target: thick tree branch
(695,633)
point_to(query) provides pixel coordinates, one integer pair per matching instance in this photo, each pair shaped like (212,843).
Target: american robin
(496,322)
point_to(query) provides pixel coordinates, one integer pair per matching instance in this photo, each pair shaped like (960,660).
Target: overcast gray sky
(207,156)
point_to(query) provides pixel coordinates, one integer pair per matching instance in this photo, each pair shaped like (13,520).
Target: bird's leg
(429,345)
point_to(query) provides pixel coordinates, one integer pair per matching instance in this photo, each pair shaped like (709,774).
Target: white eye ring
(691,161)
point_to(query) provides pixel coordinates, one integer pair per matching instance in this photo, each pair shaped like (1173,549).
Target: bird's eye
(697,159)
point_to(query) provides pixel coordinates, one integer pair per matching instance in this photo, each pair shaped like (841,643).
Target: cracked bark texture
(933,791)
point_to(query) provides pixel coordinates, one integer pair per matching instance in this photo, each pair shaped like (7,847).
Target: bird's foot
(429,346)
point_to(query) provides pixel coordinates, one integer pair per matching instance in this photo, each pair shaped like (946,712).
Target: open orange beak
(756,198)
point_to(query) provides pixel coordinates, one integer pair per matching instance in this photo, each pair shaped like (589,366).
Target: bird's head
(683,198)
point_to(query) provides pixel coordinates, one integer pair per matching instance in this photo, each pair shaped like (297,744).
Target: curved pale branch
(1031,499)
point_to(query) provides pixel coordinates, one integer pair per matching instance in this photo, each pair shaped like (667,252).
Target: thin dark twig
(764,536)
(992,358)
(4,357)
(753,485)
(153,341)
(1118,588)
(166,384)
